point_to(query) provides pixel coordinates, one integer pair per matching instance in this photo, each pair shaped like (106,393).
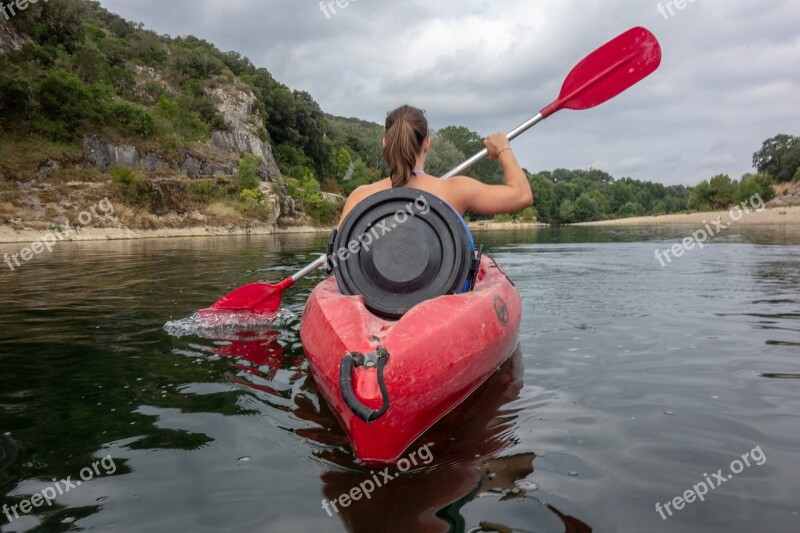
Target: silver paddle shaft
(475,159)
(310,268)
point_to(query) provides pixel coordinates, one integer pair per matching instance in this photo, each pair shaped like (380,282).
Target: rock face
(103,155)
(237,106)
(10,40)
(219,158)
(334,198)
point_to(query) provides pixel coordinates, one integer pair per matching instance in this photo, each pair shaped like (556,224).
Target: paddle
(616,66)
(261,297)
(608,71)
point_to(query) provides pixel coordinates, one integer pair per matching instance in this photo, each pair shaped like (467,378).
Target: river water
(633,383)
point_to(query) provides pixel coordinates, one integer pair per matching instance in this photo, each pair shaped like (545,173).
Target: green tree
(246,173)
(721,191)
(603,203)
(755,184)
(779,156)
(70,103)
(566,212)
(443,156)
(630,209)
(17,99)
(54,23)
(544,198)
(341,162)
(700,197)
(585,208)
(89,63)
(312,125)
(468,143)
(621,194)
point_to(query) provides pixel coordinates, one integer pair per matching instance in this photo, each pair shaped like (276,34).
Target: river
(633,384)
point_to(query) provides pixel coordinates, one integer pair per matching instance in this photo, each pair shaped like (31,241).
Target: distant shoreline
(9,235)
(491,225)
(770,216)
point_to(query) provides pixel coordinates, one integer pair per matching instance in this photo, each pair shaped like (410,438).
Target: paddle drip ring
(400,247)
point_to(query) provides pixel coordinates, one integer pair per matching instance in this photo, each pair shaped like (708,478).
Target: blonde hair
(406,131)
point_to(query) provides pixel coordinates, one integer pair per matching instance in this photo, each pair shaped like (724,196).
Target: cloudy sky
(729,77)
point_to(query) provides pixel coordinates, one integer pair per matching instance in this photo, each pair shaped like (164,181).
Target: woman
(405,147)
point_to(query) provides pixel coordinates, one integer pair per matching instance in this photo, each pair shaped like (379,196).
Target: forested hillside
(208,136)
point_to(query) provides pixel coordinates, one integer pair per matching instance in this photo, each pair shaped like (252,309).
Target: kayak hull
(439,352)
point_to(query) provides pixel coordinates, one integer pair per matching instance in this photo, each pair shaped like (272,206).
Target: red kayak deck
(439,353)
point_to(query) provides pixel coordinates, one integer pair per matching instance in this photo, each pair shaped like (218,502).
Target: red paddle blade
(608,71)
(254,297)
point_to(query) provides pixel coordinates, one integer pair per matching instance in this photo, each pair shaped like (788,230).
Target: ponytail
(406,130)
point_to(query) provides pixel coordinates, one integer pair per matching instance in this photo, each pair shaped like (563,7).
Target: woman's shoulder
(362,191)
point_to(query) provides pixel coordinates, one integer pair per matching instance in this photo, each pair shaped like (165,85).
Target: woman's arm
(485,199)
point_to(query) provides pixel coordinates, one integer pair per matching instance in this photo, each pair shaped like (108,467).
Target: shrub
(246,175)
(133,119)
(175,118)
(251,195)
(132,187)
(252,206)
(288,157)
(755,184)
(205,191)
(66,99)
(322,212)
(529,215)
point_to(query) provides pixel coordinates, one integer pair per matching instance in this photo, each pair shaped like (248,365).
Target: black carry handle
(475,267)
(351,360)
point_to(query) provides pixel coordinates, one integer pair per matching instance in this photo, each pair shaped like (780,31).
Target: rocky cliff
(218,157)
(10,40)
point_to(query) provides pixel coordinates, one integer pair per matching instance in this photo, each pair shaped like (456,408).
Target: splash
(227,325)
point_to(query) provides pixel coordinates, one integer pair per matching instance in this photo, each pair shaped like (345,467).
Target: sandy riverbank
(9,235)
(769,216)
(491,225)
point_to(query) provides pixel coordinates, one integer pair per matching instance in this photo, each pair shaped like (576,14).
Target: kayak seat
(401,247)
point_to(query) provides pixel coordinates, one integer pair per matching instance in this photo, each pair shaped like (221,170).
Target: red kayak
(389,381)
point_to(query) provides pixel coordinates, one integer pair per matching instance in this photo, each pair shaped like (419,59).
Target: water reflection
(466,447)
